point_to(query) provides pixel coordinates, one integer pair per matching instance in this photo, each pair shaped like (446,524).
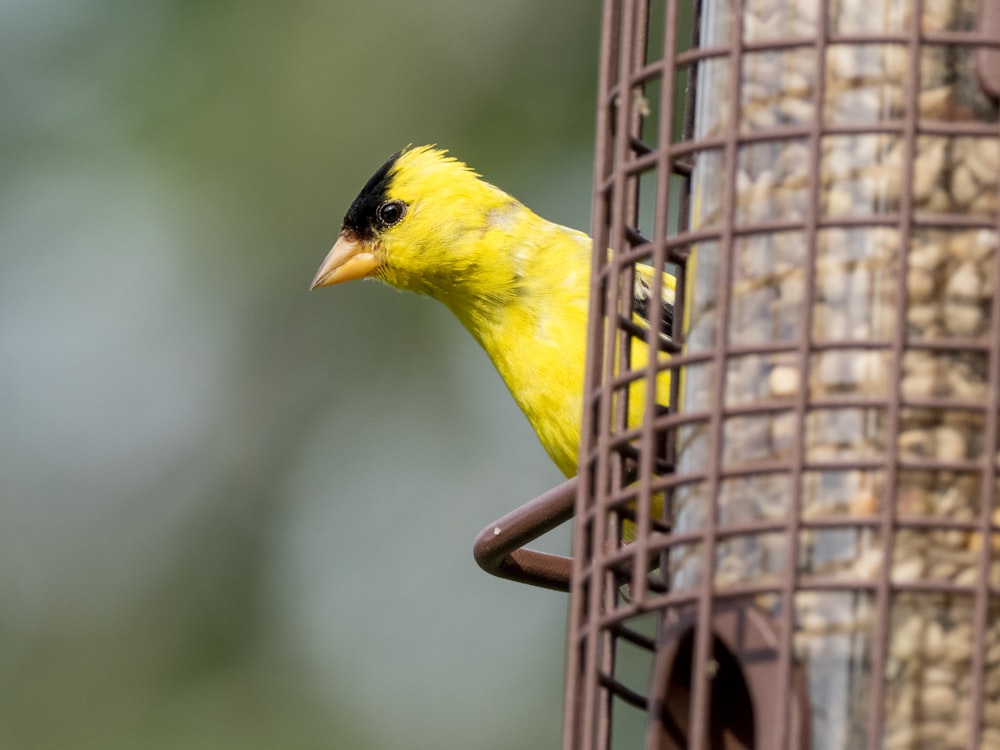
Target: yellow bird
(520,285)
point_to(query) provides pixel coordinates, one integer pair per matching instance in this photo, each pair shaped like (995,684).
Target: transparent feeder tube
(859,367)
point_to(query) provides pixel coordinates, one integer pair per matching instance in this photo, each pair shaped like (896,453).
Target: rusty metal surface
(822,180)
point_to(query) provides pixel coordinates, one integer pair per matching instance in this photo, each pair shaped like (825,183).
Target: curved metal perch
(499,548)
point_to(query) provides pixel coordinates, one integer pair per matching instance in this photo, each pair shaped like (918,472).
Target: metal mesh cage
(787,516)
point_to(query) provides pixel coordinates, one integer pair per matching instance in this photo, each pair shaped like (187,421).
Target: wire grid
(821,179)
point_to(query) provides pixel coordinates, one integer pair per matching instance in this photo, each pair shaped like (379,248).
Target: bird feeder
(802,548)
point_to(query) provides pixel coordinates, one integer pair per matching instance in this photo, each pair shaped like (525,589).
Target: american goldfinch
(427,223)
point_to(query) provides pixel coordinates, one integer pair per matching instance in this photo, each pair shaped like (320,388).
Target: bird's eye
(391,213)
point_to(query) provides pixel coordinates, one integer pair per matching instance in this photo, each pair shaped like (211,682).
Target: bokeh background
(234,514)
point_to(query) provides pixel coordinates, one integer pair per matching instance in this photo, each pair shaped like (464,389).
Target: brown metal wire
(499,548)
(795,550)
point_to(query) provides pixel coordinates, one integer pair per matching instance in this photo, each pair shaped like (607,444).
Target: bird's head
(419,223)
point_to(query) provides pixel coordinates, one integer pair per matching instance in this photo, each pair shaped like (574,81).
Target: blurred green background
(233,513)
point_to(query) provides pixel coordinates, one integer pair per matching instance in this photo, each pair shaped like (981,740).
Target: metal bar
(657,263)
(582,631)
(615,688)
(700,707)
(884,590)
(988,69)
(624,228)
(498,547)
(597,703)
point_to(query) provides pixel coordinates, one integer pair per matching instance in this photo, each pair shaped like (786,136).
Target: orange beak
(349,259)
